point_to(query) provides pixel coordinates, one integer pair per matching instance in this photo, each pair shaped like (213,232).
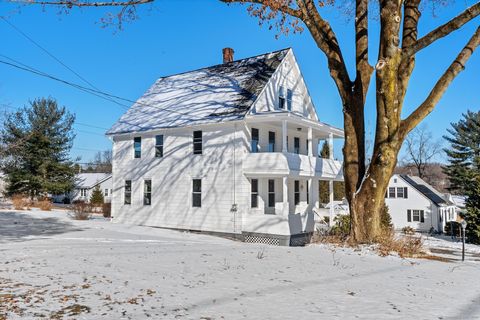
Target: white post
(330,145)
(332,212)
(284,136)
(285,196)
(309,142)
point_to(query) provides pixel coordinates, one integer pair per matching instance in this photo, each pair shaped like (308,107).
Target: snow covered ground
(54,267)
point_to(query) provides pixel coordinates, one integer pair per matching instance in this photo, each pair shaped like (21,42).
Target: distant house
(227,149)
(84,185)
(414,203)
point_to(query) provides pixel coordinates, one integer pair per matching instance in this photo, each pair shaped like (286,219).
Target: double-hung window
(297,192)
(128,192)
(271,141)
(137,147)
(105,192)
(296,145)
(415,216)
(255,140)
(281,98)
(271,193)
(147,192)
(197,193)
(159,146)
(402,192)
(254,193)
(391,192)
(289,99)
(197,142)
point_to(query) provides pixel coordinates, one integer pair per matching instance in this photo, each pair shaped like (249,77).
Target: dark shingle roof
(219,93)
(426,189)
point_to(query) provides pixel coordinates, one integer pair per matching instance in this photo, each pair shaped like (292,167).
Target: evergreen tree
(325,151)
(97,196)
(463,169)
(36,141)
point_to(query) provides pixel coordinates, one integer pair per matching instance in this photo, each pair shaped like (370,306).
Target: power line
(98,93)
(89,125)
(48,52)
(90,132)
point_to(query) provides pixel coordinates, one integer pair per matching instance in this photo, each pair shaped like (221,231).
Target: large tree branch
(444,30)
(363,68)
(441,86)
(76,3)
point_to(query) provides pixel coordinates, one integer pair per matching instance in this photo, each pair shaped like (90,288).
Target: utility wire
(48,52)
(98,93)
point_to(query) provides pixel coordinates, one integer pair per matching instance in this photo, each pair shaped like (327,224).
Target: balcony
(291,164)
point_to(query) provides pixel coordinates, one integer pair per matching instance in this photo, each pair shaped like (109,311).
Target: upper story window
(147,192)
(281,98)
(159,146)
(391,192)
(255,140)
(296,145)
(137,147)
(271,141)
(289,99)
(105,192)
(197,142)
(398,192)
(402,192)
(128,192)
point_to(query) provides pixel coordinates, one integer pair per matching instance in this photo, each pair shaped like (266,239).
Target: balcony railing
(279,163)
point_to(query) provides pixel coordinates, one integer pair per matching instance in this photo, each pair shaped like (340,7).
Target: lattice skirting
(262,239)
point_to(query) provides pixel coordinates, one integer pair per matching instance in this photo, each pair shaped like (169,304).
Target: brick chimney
(227,55)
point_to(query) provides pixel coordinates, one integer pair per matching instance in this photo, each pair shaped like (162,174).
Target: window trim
(392,191)
(412,213)
(105,192)
(137,141)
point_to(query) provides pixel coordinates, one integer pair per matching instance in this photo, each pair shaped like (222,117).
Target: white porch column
(332,211)
(285,196)
(330,145)
(284,135)
(310,142)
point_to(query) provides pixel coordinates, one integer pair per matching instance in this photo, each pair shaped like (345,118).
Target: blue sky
(177,36)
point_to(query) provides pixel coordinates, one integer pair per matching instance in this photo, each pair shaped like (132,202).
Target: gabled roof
(90,180)
(219,93)
(427,190)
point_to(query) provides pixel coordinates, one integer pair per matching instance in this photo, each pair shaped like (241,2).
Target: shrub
(107,210)
(82,211)
(385,218)
(405,247)
(19,202)
(408,230)
(45,205)
(342,226)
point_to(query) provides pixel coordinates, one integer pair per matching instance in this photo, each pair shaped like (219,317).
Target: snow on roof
(459,201)
(219,93)
(427,190)
(89,180)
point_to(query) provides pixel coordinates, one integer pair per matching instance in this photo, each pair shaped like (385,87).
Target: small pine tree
(97,197)
(386,219)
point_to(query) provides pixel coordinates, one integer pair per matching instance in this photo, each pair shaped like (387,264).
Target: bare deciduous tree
(399,44)
(421,149)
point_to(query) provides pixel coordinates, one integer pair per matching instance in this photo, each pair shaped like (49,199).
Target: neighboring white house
(84,185)
(414,203)
(229,149)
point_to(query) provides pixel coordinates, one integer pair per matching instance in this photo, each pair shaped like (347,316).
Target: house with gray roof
(412,202)
(85,183)
(230,149)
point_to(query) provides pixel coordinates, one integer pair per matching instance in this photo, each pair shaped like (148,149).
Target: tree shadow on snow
(15,227)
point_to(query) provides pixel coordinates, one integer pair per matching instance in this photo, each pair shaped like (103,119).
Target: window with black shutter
(297,192)
(271,193)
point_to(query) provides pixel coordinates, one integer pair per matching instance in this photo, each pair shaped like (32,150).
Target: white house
(414,203)
(84,185)
(229,149)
